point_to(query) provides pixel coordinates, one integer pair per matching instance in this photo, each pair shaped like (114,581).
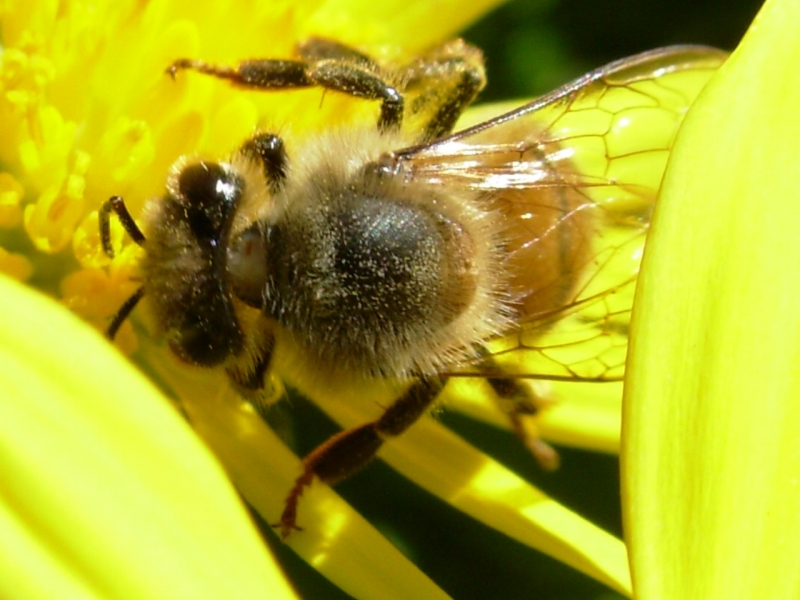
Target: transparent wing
(603,139)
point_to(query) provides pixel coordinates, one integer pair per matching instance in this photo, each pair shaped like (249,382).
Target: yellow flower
(710,448)
(105,492)
(101,482)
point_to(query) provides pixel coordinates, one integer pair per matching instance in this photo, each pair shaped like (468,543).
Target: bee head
(185,265)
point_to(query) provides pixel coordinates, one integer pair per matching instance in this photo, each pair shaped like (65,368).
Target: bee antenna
(116,205)
(123,313)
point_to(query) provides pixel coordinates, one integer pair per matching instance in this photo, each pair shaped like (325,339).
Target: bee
(404,255)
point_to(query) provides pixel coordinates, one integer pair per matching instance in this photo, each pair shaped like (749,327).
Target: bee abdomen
(372,277)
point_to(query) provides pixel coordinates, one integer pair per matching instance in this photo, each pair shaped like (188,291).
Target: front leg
(268,151)
(249,371)
(340,74)
(350,450)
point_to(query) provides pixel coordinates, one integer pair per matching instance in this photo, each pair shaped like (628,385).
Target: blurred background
(532,46)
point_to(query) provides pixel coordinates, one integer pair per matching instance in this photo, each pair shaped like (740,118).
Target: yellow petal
(448,467)
(336,540)
(417,25)
(583,415)
(104,491)
(587,417)
(339,543)
(710,452)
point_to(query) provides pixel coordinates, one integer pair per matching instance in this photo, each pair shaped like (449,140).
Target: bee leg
(360,82)
(518,402)
(316,49)
(340,68)
(248,371)
(353,77)
(269,151)
(450,77)
(348,451)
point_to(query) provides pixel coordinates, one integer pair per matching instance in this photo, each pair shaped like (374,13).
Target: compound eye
(209,193)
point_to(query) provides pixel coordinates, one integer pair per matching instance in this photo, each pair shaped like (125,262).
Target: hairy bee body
(373,275)
(389,260)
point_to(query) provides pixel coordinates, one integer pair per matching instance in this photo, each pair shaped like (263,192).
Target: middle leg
(321,63)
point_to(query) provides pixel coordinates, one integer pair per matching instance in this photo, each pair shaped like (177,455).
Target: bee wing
(606,136)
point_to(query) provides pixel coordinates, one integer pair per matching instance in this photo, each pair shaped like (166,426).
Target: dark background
(531,48)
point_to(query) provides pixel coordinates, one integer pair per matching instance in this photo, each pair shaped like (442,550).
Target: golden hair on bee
(399,256)
(376,273)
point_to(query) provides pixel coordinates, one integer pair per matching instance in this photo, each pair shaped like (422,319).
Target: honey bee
(406,255)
